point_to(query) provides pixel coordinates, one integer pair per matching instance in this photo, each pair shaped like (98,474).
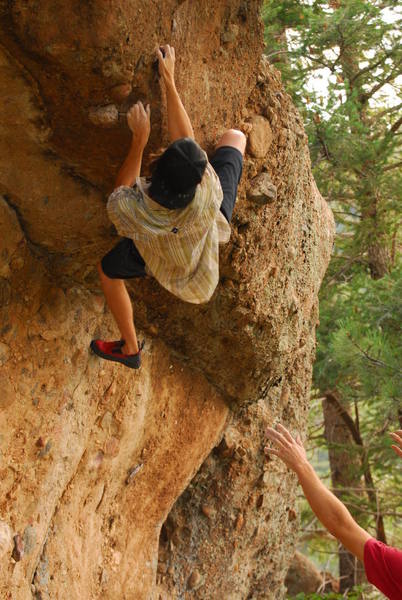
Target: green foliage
(357,54)
(359,339)
(352,118)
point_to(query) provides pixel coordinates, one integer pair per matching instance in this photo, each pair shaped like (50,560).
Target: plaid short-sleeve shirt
(180,247)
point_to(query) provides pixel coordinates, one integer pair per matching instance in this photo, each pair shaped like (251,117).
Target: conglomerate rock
(93,457)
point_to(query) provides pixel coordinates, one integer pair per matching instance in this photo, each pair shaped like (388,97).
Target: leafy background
(341,63)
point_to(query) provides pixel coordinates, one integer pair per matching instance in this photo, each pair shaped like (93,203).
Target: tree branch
(367,95)
(396,126)
(386,112)
(370,67)
(375,361)
(393,166)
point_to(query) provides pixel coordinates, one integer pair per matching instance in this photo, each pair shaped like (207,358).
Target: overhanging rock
(76,428)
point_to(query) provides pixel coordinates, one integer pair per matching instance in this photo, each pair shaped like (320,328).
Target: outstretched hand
(166,57)
(397,437)
(139,121)
(290,450)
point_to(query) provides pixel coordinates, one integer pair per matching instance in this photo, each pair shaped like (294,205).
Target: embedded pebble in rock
(6,539)
(29,538)
(195,580)
(112,447)
(104,578)
(104,116)
(96,461)
(107,420)
(49,334)
(230,34)
(262,190)
(162,568)
(260,137)
(208,511)
(239,522)
(18,550)
(45,450)
(120,92)
(292,514)
(99,304)
(133,472)
(285,395)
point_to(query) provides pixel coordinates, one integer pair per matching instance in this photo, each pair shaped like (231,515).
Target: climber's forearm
(131,167)
(179,124)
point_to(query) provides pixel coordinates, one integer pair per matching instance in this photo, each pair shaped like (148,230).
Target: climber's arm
(179,124)
(139,121)
(328,508)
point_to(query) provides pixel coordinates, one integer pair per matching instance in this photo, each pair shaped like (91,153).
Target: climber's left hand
(139,121)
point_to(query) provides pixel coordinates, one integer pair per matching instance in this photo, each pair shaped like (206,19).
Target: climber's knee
(102,275)
(234,138)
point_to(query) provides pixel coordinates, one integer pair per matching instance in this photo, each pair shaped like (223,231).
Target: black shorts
(125,262)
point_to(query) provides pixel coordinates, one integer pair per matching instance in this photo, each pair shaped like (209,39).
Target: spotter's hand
(290,450)
(397,437)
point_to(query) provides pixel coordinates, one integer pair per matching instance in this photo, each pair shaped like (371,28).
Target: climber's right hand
(139,121)
(166,58)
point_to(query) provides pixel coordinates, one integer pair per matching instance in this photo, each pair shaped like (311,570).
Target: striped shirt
(180,247)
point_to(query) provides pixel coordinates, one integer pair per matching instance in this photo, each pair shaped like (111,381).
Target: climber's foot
(114,351)
(108,346)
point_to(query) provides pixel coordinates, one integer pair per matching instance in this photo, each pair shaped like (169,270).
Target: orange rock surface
(94,458)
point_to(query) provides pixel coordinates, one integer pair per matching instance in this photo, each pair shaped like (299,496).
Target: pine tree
(354,131)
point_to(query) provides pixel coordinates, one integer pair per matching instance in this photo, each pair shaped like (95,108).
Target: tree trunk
(344,466)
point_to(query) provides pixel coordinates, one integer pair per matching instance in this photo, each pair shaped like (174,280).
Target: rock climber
(173,222)
(382,563)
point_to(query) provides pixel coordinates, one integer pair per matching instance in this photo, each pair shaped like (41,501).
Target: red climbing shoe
(112,351)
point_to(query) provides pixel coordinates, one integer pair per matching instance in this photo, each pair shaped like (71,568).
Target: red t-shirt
(383,566)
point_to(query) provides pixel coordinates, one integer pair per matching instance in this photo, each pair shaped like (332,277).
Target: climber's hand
(290,450)
(166,58)
(139,121)
(397,437)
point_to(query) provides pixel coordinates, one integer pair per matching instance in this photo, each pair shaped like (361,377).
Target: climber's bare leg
(234,138)
(119,302)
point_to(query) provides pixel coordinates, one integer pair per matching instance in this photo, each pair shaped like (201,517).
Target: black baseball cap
(177,173)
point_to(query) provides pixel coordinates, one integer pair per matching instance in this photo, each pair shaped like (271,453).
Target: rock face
(304,577)
(260,138)
(262,190)
(93,457)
